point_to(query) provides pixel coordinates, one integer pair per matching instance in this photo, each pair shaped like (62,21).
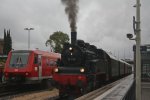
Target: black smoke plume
(71,10)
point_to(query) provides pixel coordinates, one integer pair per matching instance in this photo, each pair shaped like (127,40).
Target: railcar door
(40,66)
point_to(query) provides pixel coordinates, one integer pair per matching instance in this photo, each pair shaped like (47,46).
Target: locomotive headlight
(82,70)
(56,70)
(70,48)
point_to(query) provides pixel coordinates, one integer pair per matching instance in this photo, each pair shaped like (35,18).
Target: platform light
(28,29)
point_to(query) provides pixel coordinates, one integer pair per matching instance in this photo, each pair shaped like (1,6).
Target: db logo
(16,70)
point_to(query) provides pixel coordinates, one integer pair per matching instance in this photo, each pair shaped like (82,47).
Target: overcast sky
(103,23)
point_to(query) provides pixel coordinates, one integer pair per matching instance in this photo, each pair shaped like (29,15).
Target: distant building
(1,46)
(145,61)
(130,61)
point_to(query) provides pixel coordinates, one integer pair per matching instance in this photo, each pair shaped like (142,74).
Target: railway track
(7,90)
(2,88)
(38,95)
(34,95)
(2,85)
(13,90)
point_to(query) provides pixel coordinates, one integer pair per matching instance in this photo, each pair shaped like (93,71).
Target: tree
(9,45)
(7,42)
(4,47)
(56,40)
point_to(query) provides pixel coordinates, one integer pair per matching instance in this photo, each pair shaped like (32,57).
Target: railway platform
(123,89)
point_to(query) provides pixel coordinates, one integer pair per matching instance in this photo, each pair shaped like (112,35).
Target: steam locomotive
(30,66)
(83,68)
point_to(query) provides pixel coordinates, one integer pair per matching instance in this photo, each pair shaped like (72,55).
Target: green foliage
(7,42)
(56,40)
(2,62)
(4,47)
(9,45)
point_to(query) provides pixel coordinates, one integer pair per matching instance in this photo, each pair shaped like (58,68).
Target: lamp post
(28,29)
(137,31)
(138,53)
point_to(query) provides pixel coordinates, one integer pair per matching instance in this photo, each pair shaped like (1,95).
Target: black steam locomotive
(83,68)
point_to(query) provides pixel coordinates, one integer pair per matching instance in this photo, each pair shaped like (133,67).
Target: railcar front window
(19,59)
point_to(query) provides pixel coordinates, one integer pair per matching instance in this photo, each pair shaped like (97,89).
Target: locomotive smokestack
(73,37)
(71,9)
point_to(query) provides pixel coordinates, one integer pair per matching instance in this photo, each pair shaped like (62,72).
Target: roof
(122,61)
(46,53)
(111,56)
(43,53)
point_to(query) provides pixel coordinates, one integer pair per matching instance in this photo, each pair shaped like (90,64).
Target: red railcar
(30,66)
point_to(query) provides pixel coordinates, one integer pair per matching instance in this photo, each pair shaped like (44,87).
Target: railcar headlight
(27,74)
(35,68)
(56,70)
(82,70)
(6,74)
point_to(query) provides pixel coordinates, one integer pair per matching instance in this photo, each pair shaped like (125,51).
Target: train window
(58,62)
(55,63)
(146,68)
(52,63)
(39,59)
(148,48)
(19,59)
(35,60)
(47,62)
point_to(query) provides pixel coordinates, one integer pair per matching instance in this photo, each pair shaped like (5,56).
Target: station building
(145,61)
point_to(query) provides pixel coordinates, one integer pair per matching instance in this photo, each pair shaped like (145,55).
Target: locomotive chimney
(73,37)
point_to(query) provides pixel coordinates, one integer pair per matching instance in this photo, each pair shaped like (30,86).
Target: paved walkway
(145,90)
(119,91)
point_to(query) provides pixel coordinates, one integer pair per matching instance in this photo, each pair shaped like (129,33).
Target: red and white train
(30,66)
